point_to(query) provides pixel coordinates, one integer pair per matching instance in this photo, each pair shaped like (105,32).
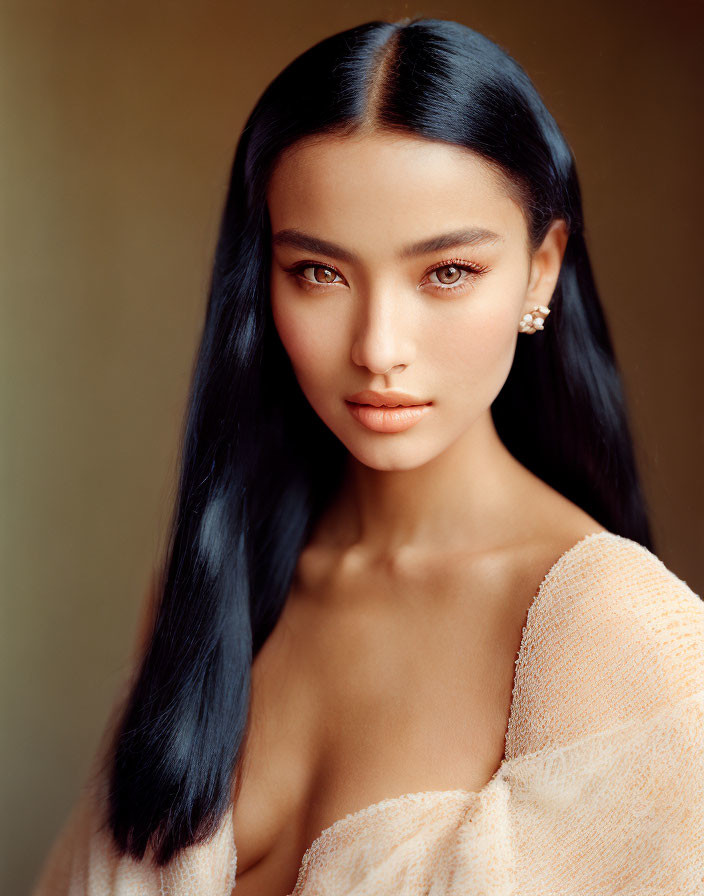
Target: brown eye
(328,274)
(449,274)
(453,276)
(323,275)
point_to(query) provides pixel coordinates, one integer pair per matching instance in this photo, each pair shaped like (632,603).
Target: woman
(410,635)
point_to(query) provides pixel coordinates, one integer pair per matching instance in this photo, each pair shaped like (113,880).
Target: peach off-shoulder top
(601,790)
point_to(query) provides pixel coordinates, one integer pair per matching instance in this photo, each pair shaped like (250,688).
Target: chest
(386,688)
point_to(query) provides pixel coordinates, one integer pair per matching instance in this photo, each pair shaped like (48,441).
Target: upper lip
(385,399)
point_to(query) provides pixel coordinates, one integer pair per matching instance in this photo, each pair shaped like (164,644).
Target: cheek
(311,343)
(477,352)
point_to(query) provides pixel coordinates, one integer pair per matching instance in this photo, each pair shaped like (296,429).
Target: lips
(392,399)
(383,419)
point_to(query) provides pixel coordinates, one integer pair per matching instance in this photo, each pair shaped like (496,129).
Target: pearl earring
(529,323)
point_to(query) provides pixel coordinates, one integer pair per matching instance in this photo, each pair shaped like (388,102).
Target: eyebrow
(469,236)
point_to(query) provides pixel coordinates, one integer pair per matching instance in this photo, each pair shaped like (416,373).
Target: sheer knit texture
(601,790)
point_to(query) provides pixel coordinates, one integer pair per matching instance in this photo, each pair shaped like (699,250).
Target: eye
(451,273)
(456,275)
(327,278)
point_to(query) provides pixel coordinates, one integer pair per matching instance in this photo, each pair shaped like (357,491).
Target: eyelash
(472,269)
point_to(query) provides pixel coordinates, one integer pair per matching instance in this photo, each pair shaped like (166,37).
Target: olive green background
(119,121)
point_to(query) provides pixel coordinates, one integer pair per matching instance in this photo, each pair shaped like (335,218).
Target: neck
(474,493)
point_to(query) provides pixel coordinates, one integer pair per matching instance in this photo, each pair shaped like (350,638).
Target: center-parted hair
(258,466)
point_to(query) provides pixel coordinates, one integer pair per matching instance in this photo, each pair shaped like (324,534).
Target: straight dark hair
(257,464)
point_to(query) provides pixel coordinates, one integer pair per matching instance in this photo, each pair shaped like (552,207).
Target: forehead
(388,187)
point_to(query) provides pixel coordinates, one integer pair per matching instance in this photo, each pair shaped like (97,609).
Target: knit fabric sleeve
(607,795)
(617,639)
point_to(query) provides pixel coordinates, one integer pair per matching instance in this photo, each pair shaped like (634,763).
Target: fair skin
(390,670)
(448,480)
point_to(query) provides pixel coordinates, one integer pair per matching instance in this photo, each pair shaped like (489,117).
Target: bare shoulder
(558,525)
(552,526)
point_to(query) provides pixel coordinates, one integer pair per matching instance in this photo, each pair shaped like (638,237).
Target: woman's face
(400,263)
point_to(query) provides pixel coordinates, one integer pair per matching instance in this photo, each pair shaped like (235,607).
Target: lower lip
(387,419)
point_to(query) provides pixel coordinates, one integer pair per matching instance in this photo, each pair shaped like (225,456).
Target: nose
(381,341)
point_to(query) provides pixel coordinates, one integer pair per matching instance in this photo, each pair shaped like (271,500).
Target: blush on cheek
(486,336)
(308,346)
(294,336)
(478,354)
(310,349)
(295,342)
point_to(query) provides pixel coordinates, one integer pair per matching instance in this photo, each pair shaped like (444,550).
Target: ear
(545,266)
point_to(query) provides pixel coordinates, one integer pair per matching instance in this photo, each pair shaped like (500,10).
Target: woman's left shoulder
(616,635)
(614,582)
(624,583)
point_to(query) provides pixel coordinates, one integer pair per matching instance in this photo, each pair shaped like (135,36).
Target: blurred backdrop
(119,123)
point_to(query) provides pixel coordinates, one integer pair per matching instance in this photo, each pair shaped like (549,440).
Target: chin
(390,455)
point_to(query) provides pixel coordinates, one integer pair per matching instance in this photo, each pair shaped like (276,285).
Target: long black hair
(258,465)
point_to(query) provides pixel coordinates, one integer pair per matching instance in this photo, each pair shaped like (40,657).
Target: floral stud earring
(529,323)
